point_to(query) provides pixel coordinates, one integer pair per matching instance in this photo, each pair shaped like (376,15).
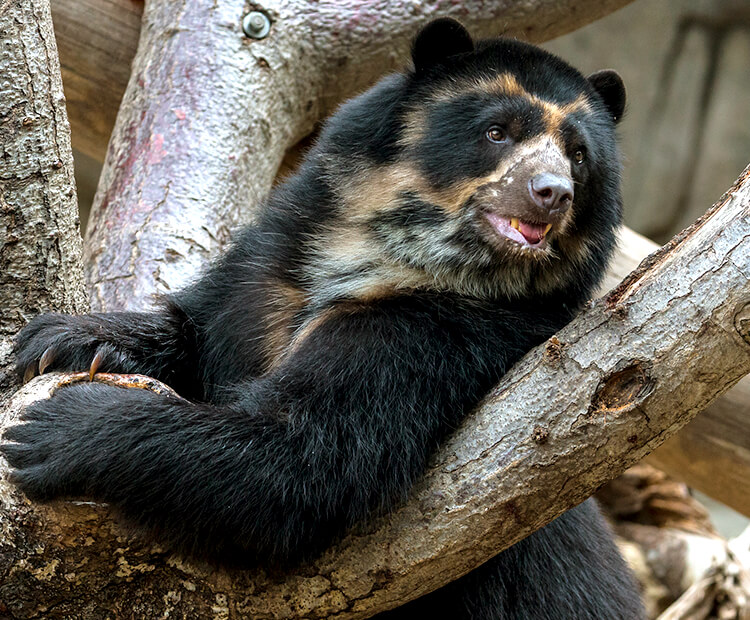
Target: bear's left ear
(437,41)
(611,89)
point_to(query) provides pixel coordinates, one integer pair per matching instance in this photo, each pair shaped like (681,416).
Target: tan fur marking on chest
(303,333)
(351,266)
(284,303)
(332,313)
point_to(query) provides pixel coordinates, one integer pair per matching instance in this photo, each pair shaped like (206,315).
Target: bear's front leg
(154,344)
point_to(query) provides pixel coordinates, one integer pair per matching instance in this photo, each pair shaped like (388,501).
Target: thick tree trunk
(209,113)
(40,244)
(572,414)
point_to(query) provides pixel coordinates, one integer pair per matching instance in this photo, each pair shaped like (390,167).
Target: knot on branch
(553,350)
(742,322)
(540,434)
(623,390)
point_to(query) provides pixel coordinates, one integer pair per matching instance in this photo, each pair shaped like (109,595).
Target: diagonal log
(209,113)
(712,452)
(575,412)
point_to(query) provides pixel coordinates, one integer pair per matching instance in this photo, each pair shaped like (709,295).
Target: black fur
(413,213)
(612,91)
(331,349)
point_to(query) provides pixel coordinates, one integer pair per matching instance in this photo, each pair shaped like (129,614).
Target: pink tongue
(533,233)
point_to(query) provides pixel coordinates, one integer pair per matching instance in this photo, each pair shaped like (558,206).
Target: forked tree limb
(575,412)
(209,113)
(98,40)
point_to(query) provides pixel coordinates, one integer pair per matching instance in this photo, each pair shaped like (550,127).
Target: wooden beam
(712,453)
(96,40)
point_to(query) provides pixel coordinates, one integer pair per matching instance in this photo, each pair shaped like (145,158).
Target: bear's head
(491,168)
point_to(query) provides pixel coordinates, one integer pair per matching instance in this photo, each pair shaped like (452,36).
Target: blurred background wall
(686,133)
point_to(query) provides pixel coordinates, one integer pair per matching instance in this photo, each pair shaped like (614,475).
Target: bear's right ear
(437,41)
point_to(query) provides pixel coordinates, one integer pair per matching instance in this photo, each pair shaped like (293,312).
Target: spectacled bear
(446,222)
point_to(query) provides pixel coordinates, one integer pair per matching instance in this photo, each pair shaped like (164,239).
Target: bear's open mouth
(527,234)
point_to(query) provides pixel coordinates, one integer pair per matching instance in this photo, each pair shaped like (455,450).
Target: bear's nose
(551,192)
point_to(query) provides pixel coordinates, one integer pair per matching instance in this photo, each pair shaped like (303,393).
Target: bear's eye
(579,156)
(496,134)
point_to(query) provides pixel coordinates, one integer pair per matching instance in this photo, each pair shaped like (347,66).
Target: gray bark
(98,40)
(712,452)
(208,115)
(575,412)
(40,244)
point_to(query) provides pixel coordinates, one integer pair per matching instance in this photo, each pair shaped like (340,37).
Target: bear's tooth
(548,228)
(514,223)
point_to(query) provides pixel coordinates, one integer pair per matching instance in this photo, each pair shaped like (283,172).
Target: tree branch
(712,452)
(98,41)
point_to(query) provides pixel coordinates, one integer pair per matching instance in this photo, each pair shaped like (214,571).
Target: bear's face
(490,170)
(505,159)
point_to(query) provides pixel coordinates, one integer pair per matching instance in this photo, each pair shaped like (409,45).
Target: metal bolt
(256,25)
